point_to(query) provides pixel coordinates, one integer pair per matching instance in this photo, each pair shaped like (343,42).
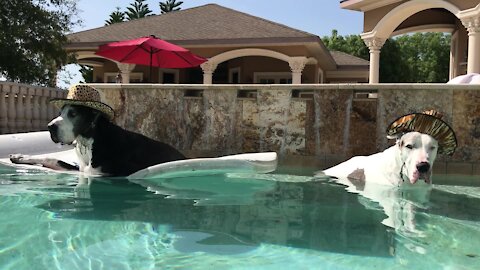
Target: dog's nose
(52,128)
(423,167)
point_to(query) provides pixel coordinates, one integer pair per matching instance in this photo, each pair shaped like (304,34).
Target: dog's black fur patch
(119,152)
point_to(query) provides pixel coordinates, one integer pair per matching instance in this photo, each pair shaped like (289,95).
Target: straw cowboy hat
(84,95)
(428,122)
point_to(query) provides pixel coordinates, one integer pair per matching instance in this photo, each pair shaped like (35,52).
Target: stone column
(453,56)
(125,70)
(473,27)
(320,76)
(297,64)
(374,44)
(208,70)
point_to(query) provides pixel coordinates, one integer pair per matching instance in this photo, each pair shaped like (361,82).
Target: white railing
(25,108)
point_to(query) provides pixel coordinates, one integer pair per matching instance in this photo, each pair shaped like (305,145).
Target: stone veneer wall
(332,120)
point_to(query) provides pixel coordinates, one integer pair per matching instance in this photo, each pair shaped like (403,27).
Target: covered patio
(386,18)
(241,48)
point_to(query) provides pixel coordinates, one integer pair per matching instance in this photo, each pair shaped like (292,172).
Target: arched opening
(248,52)
(252,69)
(422,17)
(390,22)
(254,65)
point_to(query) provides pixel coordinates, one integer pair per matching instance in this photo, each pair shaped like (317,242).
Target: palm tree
(169,6)
(138,10)
(116,17)
(87,73)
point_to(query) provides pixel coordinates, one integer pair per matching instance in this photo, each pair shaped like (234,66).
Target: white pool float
(38,144)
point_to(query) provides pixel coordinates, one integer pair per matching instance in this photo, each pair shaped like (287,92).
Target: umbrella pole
(151,55)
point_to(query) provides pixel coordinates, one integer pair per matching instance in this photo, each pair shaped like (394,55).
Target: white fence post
(3,109)
(28,109)
(20,109)
(12,114)
(51,110)
(43,109)
(36,109)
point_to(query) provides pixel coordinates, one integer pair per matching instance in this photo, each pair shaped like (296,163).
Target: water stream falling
(316,125)
(346,131)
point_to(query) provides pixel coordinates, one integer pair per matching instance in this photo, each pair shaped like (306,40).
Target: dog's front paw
(19,159)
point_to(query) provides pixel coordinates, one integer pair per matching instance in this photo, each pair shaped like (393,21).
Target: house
(240,48)
(387,18)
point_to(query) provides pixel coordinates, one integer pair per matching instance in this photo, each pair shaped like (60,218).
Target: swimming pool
(232,221)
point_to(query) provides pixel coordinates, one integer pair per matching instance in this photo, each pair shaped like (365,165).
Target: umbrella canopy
(150,51)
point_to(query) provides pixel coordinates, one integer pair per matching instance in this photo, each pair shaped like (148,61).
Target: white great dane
(382,177)
(409,160)
(471,78)
(406,166)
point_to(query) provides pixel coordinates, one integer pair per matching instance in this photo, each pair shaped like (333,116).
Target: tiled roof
(344,59)
(210,22)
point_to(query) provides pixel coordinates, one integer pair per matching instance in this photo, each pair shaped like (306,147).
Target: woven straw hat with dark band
(85,95)
(428,122)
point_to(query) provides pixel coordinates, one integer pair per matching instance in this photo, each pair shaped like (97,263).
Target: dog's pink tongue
(415,177)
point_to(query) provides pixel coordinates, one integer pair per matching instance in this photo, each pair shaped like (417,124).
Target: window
(110,77)
(234,75)
(273,77)
(167,75)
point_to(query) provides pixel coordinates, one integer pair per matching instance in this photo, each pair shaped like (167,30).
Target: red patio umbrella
(150,51)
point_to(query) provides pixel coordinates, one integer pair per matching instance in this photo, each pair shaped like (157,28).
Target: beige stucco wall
(372,17)
(291,50)
(428,17)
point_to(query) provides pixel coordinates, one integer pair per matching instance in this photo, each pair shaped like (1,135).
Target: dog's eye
(72,114)
(409,146)
(433,148)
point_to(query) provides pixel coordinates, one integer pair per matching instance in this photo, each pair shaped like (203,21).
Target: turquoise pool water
(227,222)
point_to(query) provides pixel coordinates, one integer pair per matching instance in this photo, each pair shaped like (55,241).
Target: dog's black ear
(397,137)
(96,116)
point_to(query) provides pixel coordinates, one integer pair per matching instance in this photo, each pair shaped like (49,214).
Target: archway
(387,25)
(295,63)
(390,22)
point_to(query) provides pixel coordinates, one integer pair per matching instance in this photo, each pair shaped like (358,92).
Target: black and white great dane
(102,147)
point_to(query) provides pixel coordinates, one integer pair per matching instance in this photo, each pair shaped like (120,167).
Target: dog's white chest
(83,150)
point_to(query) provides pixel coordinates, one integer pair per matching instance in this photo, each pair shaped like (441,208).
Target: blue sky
(318,17)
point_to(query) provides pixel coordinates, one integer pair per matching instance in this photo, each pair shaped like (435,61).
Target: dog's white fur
(471,78)
(83,146)
(394,166)
(382,177)
(65,127)
(83,149)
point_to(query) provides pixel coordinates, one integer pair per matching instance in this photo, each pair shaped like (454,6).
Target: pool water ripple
(225,222)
